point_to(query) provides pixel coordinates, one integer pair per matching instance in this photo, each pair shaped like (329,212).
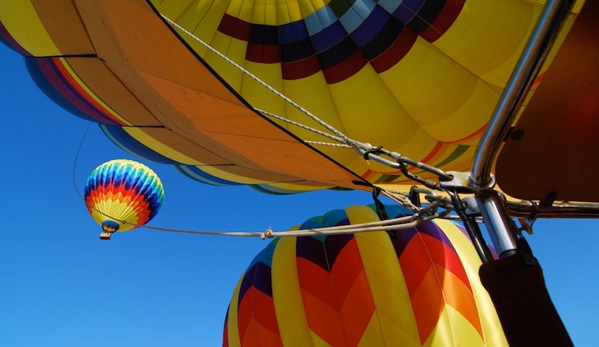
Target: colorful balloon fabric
(123,194)
(367,289)
(419,77)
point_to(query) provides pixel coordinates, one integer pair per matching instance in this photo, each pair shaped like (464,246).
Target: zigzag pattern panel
(256,316)
(435,277)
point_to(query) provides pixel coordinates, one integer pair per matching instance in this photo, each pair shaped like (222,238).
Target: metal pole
(496,216)
(498,221)
(522,78)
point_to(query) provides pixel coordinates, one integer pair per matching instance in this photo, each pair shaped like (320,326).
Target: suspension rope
(320,143)
(302,126)
(400,223)
(339,134)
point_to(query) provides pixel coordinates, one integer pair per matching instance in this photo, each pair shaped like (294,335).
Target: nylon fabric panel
(508,23)
(114,208)
(233,48)
(392,320)
(491,327)
(23,23)
(233,339)
(289,305)
(319,303)
(454,331)
(372,335)
(228,174)
(253,92)
(256,326)
(100,83)
(428,265)
(157,141)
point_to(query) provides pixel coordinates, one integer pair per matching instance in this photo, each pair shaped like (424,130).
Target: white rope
(320,143)
(400,223)
(300,125)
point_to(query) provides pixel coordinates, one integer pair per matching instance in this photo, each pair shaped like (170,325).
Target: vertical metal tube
(473,230)
(498,221)
(530,63)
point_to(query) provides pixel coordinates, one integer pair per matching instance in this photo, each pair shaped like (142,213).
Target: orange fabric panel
(111,91)
(188,99)
(459,296)
(64,26)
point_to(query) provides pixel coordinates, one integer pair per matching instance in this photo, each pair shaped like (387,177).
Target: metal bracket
(461,182)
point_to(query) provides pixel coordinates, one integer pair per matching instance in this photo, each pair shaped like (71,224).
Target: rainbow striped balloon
(123,194)
(420,288)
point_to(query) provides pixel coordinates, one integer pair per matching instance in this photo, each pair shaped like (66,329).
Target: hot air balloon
(295,96)
(419,78)
(122,195)
(419,288)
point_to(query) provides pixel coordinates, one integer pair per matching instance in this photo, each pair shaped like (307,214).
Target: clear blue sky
(61,286)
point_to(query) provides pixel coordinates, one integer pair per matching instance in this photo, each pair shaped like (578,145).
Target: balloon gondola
(461,98)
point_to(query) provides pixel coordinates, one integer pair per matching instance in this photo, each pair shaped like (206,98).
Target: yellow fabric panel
(394,313)
(464,162)
(258,95)
(372,334)
(288,12)
(492,332)
(264,12)
(93,94)
(229,176)
(309,7)
(232,321)
(21,20)
(242,175)
(439,100)
(116,209)
(420,143)
(488,33)
(315,97)
(205,19)
(242,9)
(287,297)
(235,50)
(149,141)
(210,12)
(432,96)
(371,113)
(318,342)
(173,9)
(298,187)
(464,121)
(453,330)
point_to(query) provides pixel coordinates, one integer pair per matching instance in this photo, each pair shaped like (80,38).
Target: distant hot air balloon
(122,195)
(420,288)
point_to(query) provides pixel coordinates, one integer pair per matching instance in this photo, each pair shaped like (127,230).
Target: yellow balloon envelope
(420,78)
(420,288)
